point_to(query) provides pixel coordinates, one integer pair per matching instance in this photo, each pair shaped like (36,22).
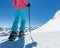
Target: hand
(28,5)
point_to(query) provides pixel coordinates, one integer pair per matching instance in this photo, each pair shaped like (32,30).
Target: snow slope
(46,36)
(52,25)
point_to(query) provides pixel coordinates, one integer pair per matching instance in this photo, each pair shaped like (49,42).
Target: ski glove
(28,5)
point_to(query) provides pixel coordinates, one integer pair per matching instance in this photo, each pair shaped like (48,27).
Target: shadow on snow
(13,44)
(17,44)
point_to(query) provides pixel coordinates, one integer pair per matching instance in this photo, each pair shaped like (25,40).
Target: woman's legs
(16,21)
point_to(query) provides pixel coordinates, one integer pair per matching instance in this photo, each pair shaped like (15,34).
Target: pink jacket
(20,4)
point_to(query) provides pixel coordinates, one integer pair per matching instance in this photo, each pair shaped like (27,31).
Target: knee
(23,21)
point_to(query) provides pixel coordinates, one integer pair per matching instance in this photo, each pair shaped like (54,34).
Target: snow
(52,25)
(46,36)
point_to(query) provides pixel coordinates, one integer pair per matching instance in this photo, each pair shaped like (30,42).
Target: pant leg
(16,21)
(23,20)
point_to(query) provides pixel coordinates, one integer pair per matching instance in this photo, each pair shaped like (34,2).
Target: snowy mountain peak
(57,15)
(52,25)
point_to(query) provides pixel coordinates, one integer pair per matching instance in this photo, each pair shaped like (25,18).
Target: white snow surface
(46,36)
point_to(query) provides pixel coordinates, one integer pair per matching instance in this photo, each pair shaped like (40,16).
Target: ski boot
(21,33)
(12,36)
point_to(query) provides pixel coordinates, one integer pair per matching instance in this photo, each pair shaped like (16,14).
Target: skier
(19,6)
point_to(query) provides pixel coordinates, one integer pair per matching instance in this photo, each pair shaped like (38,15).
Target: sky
(41,11)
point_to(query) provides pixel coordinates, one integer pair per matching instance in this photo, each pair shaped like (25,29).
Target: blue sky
(41,11)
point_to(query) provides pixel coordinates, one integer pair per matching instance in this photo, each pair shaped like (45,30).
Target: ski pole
(30,24)
(29,20)
(34,43)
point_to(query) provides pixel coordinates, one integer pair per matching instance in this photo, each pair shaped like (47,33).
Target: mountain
(52,25)
(9,29)
(46,36)
(1,29)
